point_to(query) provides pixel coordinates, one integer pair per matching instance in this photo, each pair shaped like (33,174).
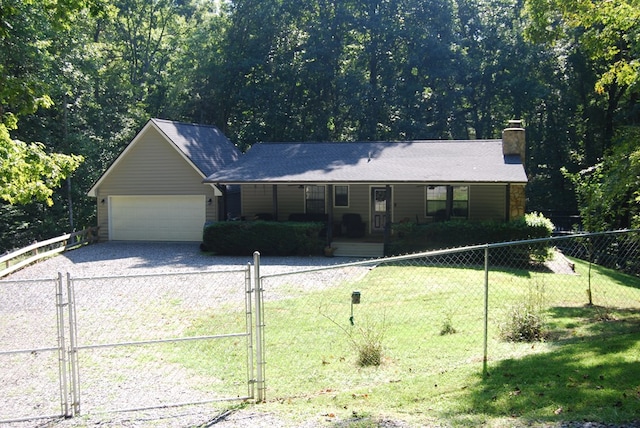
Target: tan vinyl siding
(103,217)
(152,166)
(487,202)
(256,198)
(409,202)
(359,200)
(290,200)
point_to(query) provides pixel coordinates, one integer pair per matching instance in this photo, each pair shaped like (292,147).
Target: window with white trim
(341,196)
(460,203)
(447,202)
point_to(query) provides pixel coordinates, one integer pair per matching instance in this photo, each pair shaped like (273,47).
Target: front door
(379,208)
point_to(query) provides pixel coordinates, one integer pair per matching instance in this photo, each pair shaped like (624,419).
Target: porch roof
(472,161)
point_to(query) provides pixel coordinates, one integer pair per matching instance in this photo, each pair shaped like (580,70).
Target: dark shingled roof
(472,161)
(205,146)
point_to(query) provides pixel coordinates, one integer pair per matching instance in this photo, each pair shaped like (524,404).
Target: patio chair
(354,226)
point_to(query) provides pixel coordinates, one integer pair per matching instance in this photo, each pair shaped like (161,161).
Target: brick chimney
(513,140)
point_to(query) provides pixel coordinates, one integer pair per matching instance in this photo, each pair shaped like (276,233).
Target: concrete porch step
(358,249)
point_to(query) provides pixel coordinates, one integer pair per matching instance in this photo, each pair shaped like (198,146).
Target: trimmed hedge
(412,237)
(242,238)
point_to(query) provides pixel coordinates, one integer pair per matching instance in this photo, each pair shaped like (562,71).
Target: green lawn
(587,369)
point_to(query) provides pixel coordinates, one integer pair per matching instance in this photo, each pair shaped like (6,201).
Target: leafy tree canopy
(609,32)
(609,192)
(27,171)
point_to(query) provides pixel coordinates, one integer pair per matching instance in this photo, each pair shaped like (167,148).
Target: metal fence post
(62,349)
(260,364)
(486,308)
(249,327)
(73,351)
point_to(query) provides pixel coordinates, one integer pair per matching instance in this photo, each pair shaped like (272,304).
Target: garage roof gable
(204,147)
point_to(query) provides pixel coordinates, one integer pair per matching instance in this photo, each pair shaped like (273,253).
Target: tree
(601,44)
(609,192)
(28,171)
(607,35)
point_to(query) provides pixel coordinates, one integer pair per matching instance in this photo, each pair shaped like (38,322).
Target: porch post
(275,201)
(387,223)
(222,209)
(330,214)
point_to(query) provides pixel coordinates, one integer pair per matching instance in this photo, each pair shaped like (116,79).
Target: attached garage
(157,218)
(153,191)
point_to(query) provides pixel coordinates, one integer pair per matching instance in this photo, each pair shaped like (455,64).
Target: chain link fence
(72,345)
(30,378)
(415,316)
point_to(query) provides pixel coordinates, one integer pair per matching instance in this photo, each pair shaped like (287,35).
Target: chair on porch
(354,226)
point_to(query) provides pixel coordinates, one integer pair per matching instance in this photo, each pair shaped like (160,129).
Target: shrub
(367,341)
(412,237)
(270,238)
(369,354)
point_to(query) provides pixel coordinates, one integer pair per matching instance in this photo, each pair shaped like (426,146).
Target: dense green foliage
(602,46)
(413,237)
(609,192)
(239,238)
(83,76)
(27,170)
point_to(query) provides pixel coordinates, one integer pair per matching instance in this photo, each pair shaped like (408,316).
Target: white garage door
(156,218)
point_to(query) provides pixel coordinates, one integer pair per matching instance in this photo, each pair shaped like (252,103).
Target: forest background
(79,78)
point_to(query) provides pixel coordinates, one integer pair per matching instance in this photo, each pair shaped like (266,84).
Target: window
(341,196)
(446,202)
(314,199)
(437,202)
(460,205)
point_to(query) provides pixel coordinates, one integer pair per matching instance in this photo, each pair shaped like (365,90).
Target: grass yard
(429,321)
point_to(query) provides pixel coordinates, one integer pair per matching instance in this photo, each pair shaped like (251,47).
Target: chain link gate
(124,343)
(33,353)
(148,341)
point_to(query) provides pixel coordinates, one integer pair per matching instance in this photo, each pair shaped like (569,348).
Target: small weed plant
(366,338)
(447,326)
(525,321)
(524,324)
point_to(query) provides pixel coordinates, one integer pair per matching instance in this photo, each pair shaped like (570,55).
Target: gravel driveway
(120,258)
(115,259)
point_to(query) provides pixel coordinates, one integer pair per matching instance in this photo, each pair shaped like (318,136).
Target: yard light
(355,300)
